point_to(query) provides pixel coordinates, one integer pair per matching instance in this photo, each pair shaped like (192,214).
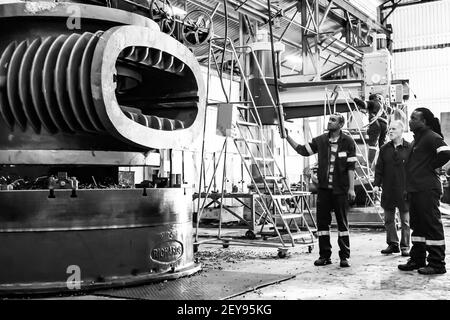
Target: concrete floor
(371,276)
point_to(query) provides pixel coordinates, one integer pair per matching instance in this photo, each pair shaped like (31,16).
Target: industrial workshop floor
(371,275)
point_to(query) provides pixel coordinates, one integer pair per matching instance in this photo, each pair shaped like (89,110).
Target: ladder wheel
(310,249)
(250,235)
(225,244)
(282,253)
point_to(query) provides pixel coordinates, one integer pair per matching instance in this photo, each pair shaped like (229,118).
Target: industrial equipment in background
(323,97)
(86,90)
(285,218)
(377,68)
(263,98)
(192,28)
(378,78)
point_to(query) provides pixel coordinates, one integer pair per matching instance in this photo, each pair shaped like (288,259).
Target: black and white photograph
(223,159)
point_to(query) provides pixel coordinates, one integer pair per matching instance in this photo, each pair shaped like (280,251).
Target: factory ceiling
(342,31)
(288,27)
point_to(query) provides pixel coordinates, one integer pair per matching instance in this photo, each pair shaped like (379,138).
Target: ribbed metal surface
(421,24)
(428,71)
(211,285)
(30,80)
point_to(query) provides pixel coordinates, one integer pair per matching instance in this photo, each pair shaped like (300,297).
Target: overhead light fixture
(293,58)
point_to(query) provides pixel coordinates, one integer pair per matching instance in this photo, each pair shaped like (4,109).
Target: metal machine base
(98,239)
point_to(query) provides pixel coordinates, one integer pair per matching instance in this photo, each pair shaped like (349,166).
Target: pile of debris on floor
(13,182)
(214,259)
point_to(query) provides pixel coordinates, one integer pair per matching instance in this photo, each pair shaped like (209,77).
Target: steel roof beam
(407,3)
(346,6)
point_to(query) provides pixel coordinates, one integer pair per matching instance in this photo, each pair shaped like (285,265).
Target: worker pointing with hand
(337,157)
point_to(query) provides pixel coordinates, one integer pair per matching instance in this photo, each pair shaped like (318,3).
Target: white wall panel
(428,70)
(429,74)
(421,24)
(369,7)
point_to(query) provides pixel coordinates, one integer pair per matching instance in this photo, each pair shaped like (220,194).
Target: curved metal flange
(78,157)
(103,87)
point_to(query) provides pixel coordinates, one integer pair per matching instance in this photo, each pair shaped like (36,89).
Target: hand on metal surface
(376,190)
(286,133)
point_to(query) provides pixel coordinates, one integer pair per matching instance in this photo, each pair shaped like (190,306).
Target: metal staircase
(364,175)
(268,180)
(277,201)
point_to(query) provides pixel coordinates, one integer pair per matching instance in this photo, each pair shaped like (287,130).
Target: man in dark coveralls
(377,122)
(337,156)
(429,152)
(390,175)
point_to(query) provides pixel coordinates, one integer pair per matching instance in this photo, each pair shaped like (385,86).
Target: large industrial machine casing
(71,240)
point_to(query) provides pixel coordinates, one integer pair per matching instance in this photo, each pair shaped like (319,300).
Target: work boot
(344,263)
(405,253)
(392,248)
(410,265)
(429,270)
(322,261)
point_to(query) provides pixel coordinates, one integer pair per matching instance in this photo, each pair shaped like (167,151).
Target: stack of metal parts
(87,85)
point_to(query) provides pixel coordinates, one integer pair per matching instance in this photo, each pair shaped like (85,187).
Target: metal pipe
(279,107)
(202,165)
(224,177)
(325,14)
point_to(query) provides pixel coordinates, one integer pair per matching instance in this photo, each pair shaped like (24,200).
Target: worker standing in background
(377,123)
(337,157)
(429,152)
(390,175)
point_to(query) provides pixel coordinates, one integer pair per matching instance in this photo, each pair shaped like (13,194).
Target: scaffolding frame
(250,117)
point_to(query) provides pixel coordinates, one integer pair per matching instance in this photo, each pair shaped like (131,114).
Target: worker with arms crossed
(429,152)
(337,156)
(390,175)
(377,128)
